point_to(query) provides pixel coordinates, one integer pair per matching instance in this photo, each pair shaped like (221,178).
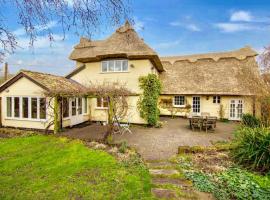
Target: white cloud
(189,26)
(21,31)
(166,45)
(138,24)
(234,27)
(241,15)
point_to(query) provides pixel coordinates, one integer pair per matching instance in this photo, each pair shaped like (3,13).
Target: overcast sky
(171,27)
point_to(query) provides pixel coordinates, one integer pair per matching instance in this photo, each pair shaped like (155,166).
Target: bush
(252,148)
(123,147)
(250,121)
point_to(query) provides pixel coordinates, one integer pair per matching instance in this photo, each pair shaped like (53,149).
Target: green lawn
(46,167)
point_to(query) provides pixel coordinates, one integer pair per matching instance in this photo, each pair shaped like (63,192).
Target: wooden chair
(210,123)
(196,122)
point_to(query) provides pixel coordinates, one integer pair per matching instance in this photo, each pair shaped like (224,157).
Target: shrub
(250,121)
(148,103)
(252,148)
(123,147)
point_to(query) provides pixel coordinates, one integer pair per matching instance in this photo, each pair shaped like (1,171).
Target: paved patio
(159,143)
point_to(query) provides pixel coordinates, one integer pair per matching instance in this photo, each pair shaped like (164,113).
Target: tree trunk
(110,120)
(56,115)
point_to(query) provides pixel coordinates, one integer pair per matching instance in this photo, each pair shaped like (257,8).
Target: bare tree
(83,17)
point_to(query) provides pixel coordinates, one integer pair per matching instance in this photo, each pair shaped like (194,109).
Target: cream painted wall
(212,108)
(92,73)
(23,87)
(100,114)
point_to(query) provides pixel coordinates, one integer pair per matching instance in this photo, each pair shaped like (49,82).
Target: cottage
(218,83)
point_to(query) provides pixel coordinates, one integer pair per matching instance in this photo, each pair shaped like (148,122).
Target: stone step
(162,164)
(183,183)
(164,193)
(163,172)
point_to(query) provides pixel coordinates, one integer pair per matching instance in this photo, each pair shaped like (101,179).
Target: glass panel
(25,107)
(16,107)
(34,108)
(99,102)
(42,108)
(85,105)
(118,65)
(79,106)
(179,100)
(65,110)
(105,102)
(218,99)
(196,107)
(104,66)
(73,107)
(111,66)
(125,65)
(9,106)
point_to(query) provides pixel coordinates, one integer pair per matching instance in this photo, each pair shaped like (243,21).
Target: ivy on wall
(148,102)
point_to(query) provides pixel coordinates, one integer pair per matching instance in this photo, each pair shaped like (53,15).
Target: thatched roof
(123,43)
(50,83)
(227,73)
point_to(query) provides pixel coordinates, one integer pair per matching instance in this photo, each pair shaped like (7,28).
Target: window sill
(25,119)
(113,72)
(101,108)
(182,106)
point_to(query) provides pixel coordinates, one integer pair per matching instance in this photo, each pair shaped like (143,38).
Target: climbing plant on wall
(148,102)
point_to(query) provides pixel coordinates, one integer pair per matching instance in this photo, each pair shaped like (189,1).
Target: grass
(45,167)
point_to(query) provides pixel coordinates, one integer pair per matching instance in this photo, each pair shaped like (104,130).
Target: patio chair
(210,123)
(196,122)
(122,127)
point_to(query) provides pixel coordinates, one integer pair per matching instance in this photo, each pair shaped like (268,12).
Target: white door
(236,109)
(196,105)
(76,116)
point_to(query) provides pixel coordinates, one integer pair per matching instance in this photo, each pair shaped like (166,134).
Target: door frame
(78,117)
(236,110)
(199,97)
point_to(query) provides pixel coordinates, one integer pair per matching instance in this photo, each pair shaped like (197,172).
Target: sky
(170,27)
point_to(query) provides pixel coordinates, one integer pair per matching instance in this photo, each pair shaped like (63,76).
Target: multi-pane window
(102,102)
(79,106)
(26,107)
(216,99)
(73,106)
(114,66)
(179,101)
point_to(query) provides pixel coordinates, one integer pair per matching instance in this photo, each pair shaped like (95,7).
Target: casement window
(179,101)
(216,99)
(26,108)
(85,110)
(102,102)
(114,66)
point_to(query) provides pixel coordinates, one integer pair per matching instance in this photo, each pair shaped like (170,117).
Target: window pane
(73,107)
(9,106)
(218,99)
(85,105)
(111,65)
(42,108)
(105,103)
(65,107)
(118,65)
(125,65)
(25,107)
(79,106)
(34,108)
(16,107)
(104,66)
(179,100)
(98,102)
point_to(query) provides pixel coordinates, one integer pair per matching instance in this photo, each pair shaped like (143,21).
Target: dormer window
(114,66)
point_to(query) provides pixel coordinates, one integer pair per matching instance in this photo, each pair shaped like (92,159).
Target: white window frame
(179,105)
(102,104)
(114,63)
(29,109)
(215,99)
